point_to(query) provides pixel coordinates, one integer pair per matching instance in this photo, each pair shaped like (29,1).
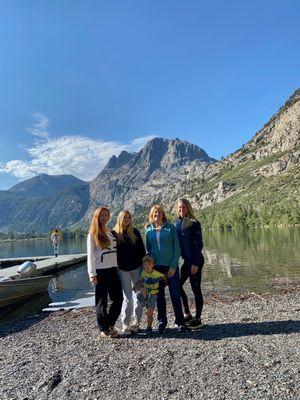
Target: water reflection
(249,260)
(40,247)
(57,284)
(235,261)
(70,285)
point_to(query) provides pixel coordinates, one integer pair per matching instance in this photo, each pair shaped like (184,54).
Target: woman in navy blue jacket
(190,240)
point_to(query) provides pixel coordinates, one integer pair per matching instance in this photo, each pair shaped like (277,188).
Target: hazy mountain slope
(25,214)
(45,185)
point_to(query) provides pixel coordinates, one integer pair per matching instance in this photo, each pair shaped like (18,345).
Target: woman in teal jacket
(163,245)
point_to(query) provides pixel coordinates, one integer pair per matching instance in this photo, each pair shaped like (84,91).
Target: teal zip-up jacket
(169,251)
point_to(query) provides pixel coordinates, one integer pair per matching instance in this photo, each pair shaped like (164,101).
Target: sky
(82,80)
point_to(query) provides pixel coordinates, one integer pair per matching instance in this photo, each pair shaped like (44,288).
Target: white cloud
(40,126)
(76,155)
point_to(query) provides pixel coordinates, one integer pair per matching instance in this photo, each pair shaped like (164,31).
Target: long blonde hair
(98,231)
(154,208)
(190,212)
(119,225)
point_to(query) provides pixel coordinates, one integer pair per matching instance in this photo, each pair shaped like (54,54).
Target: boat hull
(18,289)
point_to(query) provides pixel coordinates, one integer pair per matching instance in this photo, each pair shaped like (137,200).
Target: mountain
(22,210)
(45,185)
(137,180)
(259,183)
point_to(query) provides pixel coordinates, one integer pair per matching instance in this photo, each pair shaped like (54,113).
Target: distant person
(55,242)
(190,239)
(163,246)
(103,272)
(130,252)
(60,234)
(148,286)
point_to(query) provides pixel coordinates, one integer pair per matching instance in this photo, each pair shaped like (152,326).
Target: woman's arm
(140,244)
(91,267)
(196,244)
(138,285)
(148,243)
(176,248)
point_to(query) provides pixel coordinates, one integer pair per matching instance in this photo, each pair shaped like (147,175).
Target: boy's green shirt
(151,281)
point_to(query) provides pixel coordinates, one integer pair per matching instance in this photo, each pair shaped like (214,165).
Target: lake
(237,261)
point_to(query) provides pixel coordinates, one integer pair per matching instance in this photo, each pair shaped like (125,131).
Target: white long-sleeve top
(98,258)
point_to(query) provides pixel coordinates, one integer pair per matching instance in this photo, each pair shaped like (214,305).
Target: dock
(45,265)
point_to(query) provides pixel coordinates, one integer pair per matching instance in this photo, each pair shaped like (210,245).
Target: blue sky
(82,80)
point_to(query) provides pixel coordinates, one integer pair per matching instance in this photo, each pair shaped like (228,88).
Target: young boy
(149,283)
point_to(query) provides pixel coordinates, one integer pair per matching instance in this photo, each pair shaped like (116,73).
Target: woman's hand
(194,269)
(94,280)
(171,273)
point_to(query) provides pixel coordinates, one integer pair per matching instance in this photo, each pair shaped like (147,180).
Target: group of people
(132,276)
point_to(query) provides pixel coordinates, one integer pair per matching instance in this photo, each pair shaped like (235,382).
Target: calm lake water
(235,262)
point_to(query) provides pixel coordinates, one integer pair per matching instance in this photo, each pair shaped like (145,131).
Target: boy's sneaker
(183,329)
(188,319)
(134,328)
(149,330)
(196,324)
(161,328)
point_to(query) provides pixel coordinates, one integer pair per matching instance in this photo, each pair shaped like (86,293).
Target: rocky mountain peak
(166,153)
(181,152)
(133,179)
(116,162)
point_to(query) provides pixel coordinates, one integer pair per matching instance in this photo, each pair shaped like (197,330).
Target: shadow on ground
(231,330)
(209,332)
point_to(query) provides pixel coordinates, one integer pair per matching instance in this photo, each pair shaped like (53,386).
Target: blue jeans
(173,284)
(131,307)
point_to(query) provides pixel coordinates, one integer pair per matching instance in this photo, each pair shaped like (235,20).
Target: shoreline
(229,229)
(22,239)
(248,350)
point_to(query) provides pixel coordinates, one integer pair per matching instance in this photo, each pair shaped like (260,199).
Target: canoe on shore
(15,290)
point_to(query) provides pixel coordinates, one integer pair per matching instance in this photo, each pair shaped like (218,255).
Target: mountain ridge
(44,185)
(258,184)
(137,178)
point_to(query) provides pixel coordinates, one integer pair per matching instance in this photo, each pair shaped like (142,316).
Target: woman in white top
(103,272)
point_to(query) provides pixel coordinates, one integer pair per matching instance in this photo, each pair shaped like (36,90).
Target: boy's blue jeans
(173,284)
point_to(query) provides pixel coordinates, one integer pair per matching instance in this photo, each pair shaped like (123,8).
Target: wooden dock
(46,266)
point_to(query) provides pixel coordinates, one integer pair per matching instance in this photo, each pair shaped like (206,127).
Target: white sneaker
(126,331)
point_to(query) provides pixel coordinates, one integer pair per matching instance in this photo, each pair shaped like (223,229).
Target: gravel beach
(248,350)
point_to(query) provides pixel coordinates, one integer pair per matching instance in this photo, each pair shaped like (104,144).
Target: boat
(14,290)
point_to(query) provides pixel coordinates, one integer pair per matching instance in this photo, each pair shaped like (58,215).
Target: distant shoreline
(23,239)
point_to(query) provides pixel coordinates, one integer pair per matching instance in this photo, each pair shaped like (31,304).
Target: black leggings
(109,285)
(195,281)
